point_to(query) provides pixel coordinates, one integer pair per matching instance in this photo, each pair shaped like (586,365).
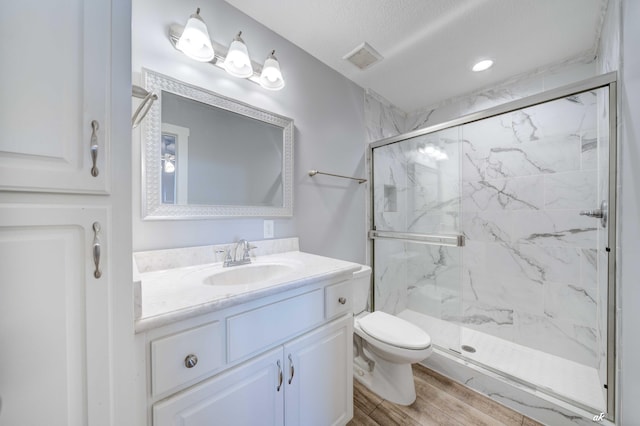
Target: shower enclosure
(495,233)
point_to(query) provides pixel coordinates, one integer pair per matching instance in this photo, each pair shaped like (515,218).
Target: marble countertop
(170,295)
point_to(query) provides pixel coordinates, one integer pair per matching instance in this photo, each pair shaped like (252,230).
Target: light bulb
(237,62)
(271,77)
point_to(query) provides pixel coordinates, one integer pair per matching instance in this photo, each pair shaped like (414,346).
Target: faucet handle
(227,254)
(246,255)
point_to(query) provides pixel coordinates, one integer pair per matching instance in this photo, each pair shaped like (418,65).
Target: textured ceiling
(429,46)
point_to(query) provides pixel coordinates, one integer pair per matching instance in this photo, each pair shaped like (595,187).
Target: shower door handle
(600,213)
(592,213)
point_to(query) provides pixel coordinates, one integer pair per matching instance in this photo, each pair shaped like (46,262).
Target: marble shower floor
(570,379)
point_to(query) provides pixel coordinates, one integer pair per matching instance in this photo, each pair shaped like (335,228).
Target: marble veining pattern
(382,119)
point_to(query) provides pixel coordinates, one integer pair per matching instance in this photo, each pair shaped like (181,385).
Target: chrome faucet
(246,257)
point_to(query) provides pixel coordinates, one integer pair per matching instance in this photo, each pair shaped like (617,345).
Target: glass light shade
(237,62)
(271,77)
(195,41)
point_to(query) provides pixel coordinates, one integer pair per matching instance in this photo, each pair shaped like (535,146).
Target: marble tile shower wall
(514,185)
(529,274)
(382,119)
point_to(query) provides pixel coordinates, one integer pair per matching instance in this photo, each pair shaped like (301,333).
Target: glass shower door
(532,295)
(496,235)
(416,233)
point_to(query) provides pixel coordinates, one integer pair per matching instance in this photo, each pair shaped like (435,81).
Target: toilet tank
(361,288)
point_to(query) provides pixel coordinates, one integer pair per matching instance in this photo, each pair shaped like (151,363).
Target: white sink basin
(247,274)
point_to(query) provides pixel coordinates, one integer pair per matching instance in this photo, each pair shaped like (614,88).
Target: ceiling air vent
(363,56)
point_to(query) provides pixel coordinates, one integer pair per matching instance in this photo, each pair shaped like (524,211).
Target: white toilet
(385,346)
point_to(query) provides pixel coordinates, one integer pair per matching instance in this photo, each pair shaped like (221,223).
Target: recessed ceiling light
(482,65)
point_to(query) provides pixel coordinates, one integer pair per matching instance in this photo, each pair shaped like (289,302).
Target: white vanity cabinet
(55,83)
(319,377)
(245,395)
(288,362)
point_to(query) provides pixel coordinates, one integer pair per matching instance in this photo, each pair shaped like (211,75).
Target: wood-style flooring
(440,401)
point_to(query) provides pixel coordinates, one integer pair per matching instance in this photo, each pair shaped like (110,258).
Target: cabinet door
(54,334)
(319,376)
(248,395)
(54,83)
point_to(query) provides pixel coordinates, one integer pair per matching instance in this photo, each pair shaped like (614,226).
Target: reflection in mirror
(168,158)
(174,157)
(233,160)
(210,156)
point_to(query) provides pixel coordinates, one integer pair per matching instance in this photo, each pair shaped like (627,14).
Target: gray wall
(329,132)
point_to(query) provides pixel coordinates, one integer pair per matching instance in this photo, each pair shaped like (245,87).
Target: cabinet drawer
(337,299)
(170,356)
(261,328)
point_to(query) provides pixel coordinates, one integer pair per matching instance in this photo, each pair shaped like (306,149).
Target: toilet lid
(394,331)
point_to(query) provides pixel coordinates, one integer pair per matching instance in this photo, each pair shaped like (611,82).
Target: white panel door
(247,395)
(54,350)
(53,85)
(319,376)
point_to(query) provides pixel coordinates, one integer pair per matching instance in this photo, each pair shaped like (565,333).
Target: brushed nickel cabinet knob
(190,361)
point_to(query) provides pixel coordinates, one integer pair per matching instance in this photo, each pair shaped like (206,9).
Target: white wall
(329,132)
(629,204)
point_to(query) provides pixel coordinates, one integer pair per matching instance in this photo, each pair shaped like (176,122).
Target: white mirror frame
(152,206)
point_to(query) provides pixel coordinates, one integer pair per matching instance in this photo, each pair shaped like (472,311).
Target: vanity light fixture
(271,77)
(194,41)
(482,65)
(237,62)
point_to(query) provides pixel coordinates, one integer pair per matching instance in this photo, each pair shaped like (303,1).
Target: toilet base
(390,381)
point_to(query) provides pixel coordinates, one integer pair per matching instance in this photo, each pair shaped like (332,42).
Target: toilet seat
(394,331)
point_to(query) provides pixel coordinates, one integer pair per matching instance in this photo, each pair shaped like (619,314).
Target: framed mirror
(207,156)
